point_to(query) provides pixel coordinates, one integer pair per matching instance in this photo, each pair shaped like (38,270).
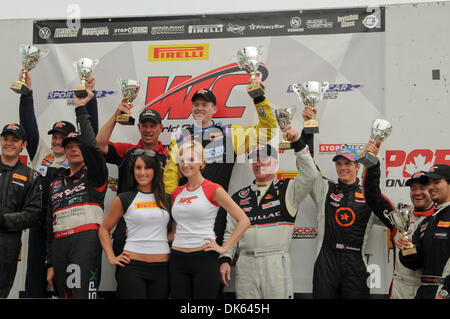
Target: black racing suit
(344,222)
(20,207)
(44,161)
(75,215)
(433,253)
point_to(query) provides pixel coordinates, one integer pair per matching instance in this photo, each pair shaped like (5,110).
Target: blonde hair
(194,146)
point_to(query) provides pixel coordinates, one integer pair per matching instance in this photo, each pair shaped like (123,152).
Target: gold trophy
(30,56)
(84,68)
(130,90)
(249,59)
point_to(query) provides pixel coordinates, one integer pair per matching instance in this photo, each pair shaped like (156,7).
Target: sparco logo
(209,28)
(66,32)
(45,33)
(163,97)
(400,165)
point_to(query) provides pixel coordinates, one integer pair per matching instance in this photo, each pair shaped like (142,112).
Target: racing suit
(222,143)
(405,282)
(48,164)
(344,222)
(120,154)
(263,269)
(20,206)
(75,215)
(433,253)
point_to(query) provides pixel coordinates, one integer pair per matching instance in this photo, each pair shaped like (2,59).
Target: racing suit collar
(7,167)
(200,129)
(425,213)
(344,187)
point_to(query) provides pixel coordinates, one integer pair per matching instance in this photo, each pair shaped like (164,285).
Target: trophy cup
(284,117)
(30,57)
(248,60)
(400,218)
(130,90)
(84,68)
(381,129)
(310,92)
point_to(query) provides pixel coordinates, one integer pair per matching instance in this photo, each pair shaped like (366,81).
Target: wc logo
(74,280)
(374,279)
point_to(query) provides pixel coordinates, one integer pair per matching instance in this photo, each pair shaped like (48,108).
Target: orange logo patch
(345,216)
(443,224)
(21,177)
(147,204)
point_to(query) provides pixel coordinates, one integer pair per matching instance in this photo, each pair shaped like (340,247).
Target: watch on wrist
(444,293)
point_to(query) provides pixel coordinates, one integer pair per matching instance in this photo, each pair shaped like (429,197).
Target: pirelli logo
(147,204)
(21,177)
(178,52)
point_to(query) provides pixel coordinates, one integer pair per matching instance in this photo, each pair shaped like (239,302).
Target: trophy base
(255,90)
(284,145)
(409,251)
(367,159)
(80,91)
(311,127)
(19,88)
(125,119)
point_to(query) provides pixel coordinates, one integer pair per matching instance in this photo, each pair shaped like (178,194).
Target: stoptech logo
(333,148)
(178,52)
(174,100)
(400,165)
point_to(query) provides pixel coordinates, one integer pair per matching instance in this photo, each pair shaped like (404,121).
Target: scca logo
(409,163)
(175,100)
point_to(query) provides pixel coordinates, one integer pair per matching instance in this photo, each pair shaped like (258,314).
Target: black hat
(438,171)
(15,129)
(151,115)
(416,177)
(263,150)
(205,94)
(71,136)
(62,127)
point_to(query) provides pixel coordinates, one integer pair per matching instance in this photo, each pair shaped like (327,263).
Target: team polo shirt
(195,213)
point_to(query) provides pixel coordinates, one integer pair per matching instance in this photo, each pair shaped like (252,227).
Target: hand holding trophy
(130,90)
(30,57)
(84,68)
(401,218)
(310,93)
(380,130)
(249,59)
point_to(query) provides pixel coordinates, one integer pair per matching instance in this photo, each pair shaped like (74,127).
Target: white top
(195,213)
(146,223)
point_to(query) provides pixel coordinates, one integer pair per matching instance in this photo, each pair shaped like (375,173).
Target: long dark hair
(162,200)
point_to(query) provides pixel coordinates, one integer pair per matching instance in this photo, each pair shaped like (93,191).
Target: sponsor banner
(303,22)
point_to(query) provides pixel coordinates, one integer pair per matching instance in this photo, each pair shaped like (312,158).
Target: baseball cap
(438,171)
(347,152)
(206,94)
(62,127)
(15,129)
(149,114)
(416,177)
(71,136)
(263,150)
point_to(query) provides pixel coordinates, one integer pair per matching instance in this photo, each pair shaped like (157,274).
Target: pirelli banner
(176,55)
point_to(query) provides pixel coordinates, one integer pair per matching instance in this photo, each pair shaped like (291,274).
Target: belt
(78,229)
(262,252)
(342,246)
(431,280)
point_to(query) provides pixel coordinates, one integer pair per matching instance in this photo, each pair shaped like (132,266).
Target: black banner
(259,24)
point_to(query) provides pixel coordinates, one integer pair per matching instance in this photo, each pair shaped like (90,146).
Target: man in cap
(344,221)
(263,269)
(20,202)
(120,154)
(74,253)
(47,161)
(431,239)
(405,281)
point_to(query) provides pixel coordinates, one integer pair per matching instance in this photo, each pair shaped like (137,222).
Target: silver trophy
(400,218)
(130,90)
(249,59)
(30,56)
(380,130)
(84,68)
(310,93)
(284,117)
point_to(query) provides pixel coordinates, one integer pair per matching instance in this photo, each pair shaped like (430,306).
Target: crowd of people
(173,231)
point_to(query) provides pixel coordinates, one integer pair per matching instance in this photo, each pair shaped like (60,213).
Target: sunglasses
(141,151)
